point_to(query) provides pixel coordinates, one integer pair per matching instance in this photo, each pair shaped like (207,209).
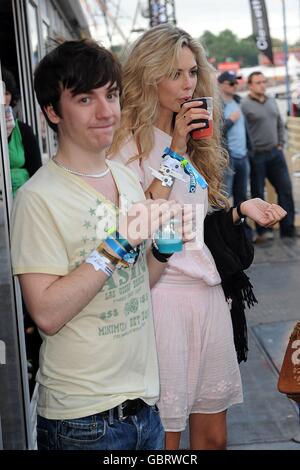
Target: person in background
(24,152)
(199,373)
(235,141)
(266,133)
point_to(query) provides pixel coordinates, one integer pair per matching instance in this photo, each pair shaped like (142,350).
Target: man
(235,137)
(235,140)
(266,132)
(98,376)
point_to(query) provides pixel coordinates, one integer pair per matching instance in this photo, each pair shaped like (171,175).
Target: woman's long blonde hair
(153,57)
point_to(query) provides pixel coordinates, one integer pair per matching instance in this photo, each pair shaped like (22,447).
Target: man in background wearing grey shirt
(266,132)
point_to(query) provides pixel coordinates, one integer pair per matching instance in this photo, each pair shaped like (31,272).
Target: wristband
(117,262)
(166,180)
(124,243)
(161,257)
(238,210)
(100,262)
(128,257)
(173,154)
(113,259)
(194,175)
(111,242)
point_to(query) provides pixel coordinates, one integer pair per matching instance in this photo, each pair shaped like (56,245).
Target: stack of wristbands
(103,260)
(169,170)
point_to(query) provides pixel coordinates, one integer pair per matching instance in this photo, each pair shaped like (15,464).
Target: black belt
(127,408)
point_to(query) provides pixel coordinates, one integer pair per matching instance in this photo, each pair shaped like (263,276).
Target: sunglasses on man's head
(232,83)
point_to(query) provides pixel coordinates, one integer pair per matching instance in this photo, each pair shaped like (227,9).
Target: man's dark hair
(253,74)
(11,86)
(79,66)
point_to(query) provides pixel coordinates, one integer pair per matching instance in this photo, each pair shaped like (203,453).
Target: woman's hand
(262,212)
(183,124)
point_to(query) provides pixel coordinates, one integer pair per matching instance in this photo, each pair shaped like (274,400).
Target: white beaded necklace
(78,173)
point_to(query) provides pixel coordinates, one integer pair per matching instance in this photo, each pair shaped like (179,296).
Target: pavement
(267,419)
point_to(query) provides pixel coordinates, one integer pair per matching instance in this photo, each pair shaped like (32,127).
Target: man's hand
(144,219)
(188,224)
(262,212)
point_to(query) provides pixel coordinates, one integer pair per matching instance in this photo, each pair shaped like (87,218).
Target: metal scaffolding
(161,11)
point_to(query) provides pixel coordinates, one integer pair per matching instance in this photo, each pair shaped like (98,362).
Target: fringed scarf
(232,253)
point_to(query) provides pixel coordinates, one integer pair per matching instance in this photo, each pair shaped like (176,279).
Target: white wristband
(166,180)
(171,167)
(100,262)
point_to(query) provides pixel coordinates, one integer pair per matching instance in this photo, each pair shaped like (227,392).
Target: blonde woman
(199,373)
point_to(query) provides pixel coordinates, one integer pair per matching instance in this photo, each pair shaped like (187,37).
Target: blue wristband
(173,154)
(130,257)
(125,243)
(111,242)
(195,176)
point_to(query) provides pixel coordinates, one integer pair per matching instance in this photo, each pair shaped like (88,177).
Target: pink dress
(198,368)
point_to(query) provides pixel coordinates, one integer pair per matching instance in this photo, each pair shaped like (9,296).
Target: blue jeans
(142,431)
(237,178)
(272,165)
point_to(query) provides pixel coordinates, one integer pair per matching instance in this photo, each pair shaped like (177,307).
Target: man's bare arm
(52,301)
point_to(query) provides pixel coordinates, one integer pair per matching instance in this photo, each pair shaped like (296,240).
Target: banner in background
(261,30)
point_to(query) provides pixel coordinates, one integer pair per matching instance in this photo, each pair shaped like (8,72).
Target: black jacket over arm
(232,253)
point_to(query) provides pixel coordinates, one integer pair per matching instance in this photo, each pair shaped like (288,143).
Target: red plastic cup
(207,131)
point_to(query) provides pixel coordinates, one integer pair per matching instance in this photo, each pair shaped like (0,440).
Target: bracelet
(117,262)
(113,259)
(161,257)
(238,210)
(100,262)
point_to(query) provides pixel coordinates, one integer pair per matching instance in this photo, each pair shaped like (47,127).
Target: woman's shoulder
(126,151)
(128,156)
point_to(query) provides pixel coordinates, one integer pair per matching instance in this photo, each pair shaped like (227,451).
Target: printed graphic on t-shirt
(123,297)
(129,303)
(99,220)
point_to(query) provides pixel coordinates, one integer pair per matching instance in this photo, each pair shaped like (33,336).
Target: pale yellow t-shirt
(105,354)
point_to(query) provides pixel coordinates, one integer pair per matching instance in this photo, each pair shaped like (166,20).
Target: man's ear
(52,116)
